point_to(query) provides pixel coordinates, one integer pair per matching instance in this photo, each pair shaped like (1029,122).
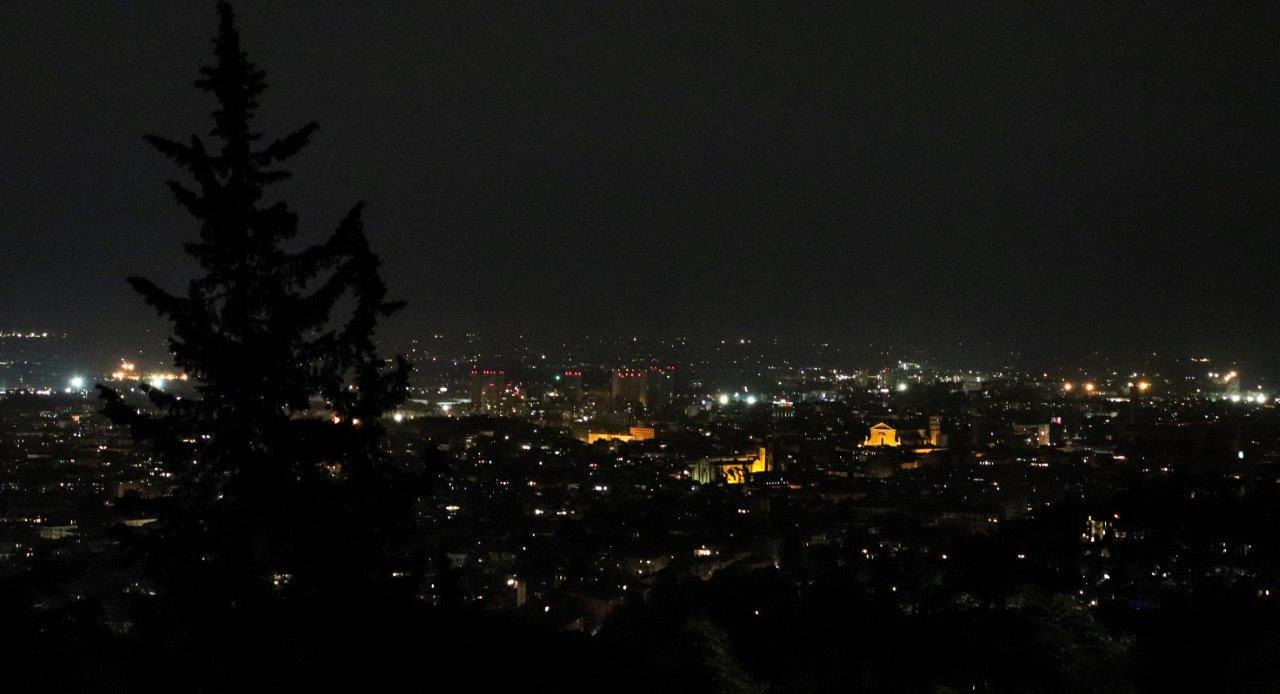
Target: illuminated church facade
(883,435)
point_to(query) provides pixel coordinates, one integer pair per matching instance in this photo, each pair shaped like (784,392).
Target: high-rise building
(630,386)
(651,387)
(487,386)
(661,381)
(571,386)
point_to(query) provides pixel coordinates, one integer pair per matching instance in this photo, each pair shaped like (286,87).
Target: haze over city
(960,180)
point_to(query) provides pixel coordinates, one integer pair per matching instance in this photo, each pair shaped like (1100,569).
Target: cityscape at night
(911,347)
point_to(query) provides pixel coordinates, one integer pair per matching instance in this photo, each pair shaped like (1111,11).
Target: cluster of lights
(128,371)
(725,398)
(1259,398)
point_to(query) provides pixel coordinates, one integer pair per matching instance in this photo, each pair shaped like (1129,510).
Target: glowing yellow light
(1067,387)
(881,435)
(1089,387)
(1143,386)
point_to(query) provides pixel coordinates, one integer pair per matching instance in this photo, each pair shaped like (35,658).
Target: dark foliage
(278,477)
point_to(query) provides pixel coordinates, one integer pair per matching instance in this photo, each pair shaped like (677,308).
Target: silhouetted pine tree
(276,460)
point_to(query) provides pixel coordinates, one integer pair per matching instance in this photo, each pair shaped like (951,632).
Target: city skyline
(630,348)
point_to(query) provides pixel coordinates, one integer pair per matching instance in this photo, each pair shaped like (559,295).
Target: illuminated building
(929,437)
(732,470)
(58,532)
(882,435)
(487,386)
(633,434)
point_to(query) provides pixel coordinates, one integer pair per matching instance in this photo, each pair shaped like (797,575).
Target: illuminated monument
(635,433)
(733,469)
(882,435)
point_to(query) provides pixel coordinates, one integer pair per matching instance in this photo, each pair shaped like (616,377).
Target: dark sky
(1060,177)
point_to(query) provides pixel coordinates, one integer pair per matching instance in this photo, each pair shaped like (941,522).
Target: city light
(880,489)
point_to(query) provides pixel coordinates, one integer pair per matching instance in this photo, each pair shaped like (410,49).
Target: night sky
(1054,179)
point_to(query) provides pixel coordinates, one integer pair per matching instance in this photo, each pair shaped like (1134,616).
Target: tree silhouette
(276,461)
